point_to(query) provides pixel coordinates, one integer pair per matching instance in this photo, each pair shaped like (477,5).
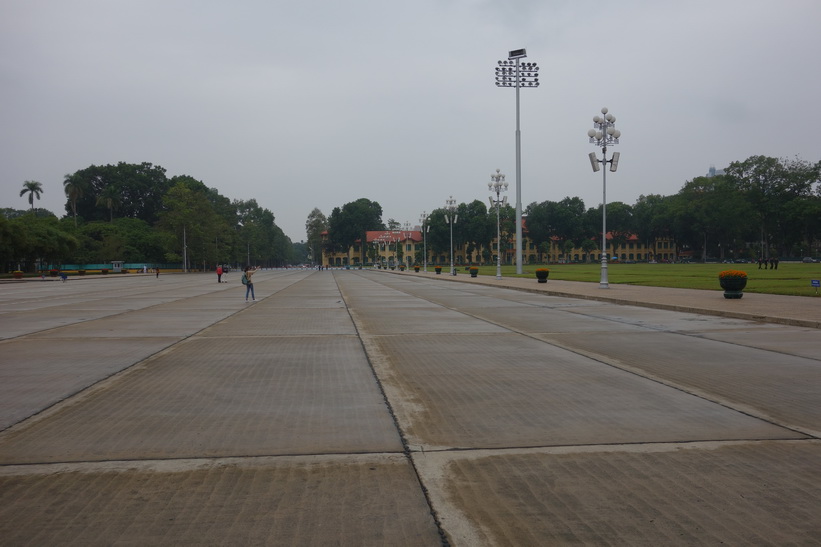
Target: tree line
(759,207)
(135,213)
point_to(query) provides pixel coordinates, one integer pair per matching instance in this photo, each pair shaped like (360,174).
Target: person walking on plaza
(246,280)
(219,274)
(157,269)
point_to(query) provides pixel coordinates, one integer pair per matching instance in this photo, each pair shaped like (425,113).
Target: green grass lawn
(789,279)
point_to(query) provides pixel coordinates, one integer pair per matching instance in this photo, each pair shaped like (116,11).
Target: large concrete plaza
(376,408)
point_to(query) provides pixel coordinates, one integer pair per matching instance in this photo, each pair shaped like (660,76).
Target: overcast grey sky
(315,103)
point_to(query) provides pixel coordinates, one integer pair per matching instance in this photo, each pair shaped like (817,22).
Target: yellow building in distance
(392,248)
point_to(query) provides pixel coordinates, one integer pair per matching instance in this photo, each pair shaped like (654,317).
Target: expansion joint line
(407,451)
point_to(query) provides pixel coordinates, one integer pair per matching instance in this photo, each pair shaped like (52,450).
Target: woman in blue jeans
(249,286)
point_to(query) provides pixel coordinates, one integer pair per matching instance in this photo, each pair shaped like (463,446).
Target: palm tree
(33,188)
(75,189)
(110,199)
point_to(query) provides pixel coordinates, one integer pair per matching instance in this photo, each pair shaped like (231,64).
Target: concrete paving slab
(371,500)
(388,301)
(778,338)
(155,322)
(262,319)
(302,301)
(221,397)
(430,319)
(35,375)
(730,494)
(664,320)
(482,391)
(532,319)
(26,322)
(778,387)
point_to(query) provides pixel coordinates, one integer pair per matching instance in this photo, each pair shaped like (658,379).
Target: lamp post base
(603,284)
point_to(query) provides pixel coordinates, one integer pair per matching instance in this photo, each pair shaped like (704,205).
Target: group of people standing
(246,279)
(773,262)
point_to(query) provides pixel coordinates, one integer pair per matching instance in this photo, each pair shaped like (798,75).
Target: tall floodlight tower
(512,73)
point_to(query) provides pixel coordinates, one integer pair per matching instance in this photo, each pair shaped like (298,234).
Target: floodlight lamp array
(509,73)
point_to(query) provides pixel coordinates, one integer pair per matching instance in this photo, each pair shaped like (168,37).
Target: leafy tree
(770,184)
(651,218)
(478,228)
(588,246)
(562,220)
(10,213)
(110,199)
(128,239)
(260,240)
(805,216)
(314,226)
(439,233)
(619,222)
(33,189)
(348,225)
(567,248)
(191,222)
(74,187)
(567,222)
(539,229)
(9,243)
(300,251)
(40,238)
(140,190)
(226,229)
(710,211)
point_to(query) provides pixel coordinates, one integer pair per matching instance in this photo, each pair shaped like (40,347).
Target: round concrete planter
(733,286)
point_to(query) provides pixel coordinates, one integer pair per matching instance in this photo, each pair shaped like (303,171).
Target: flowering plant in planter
(438,269)
(541,274)
(474,271)
(53,272)
(733,283)
(104,271)
(17,274)
(732,274)
(416,268)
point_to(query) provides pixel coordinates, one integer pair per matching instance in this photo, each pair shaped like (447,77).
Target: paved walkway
(378,408)
(771,308)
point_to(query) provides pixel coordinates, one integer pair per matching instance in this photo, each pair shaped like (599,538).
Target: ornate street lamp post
(604,133)
(451,218)
(405,237)
(497,184)
(511,73)
(423,222)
